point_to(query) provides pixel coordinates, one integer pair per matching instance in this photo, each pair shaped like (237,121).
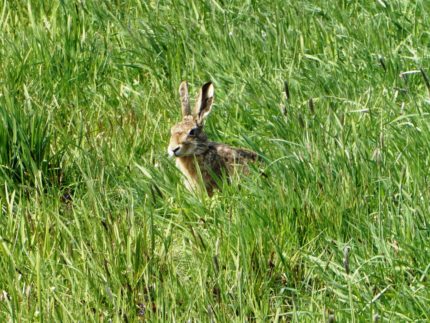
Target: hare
(196,156)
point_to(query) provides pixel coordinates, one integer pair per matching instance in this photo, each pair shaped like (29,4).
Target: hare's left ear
(185,101)
(204,102)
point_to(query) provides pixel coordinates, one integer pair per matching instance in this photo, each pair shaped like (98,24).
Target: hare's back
(232,155)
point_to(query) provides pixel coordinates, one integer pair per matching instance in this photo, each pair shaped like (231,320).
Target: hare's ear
(185,99)
(204,102)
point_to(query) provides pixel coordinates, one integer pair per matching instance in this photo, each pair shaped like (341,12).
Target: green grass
(95,223)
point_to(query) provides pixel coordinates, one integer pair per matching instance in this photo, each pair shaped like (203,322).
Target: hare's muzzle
(173,151)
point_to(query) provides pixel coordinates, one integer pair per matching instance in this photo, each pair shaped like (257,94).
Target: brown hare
(196,156)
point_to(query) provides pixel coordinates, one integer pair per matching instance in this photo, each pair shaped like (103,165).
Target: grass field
(95,222)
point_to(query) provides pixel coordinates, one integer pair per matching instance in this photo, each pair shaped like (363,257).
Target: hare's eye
(193,132)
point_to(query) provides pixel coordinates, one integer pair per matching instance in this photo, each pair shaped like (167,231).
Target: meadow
(96,224)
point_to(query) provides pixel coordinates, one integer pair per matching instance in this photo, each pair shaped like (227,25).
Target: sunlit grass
(95,223)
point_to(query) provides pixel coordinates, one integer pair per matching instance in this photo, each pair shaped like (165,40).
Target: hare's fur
(196,157)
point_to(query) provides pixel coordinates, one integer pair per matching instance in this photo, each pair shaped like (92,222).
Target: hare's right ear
(185,99)
(204,102)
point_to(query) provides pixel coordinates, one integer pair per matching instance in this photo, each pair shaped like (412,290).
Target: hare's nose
(174,151)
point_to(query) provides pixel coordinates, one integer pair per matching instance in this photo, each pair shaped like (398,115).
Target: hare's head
(187,137)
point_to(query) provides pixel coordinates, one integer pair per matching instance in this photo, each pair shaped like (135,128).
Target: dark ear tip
(207,85)
(208,89)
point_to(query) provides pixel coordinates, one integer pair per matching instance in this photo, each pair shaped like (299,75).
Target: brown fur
(196,156)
